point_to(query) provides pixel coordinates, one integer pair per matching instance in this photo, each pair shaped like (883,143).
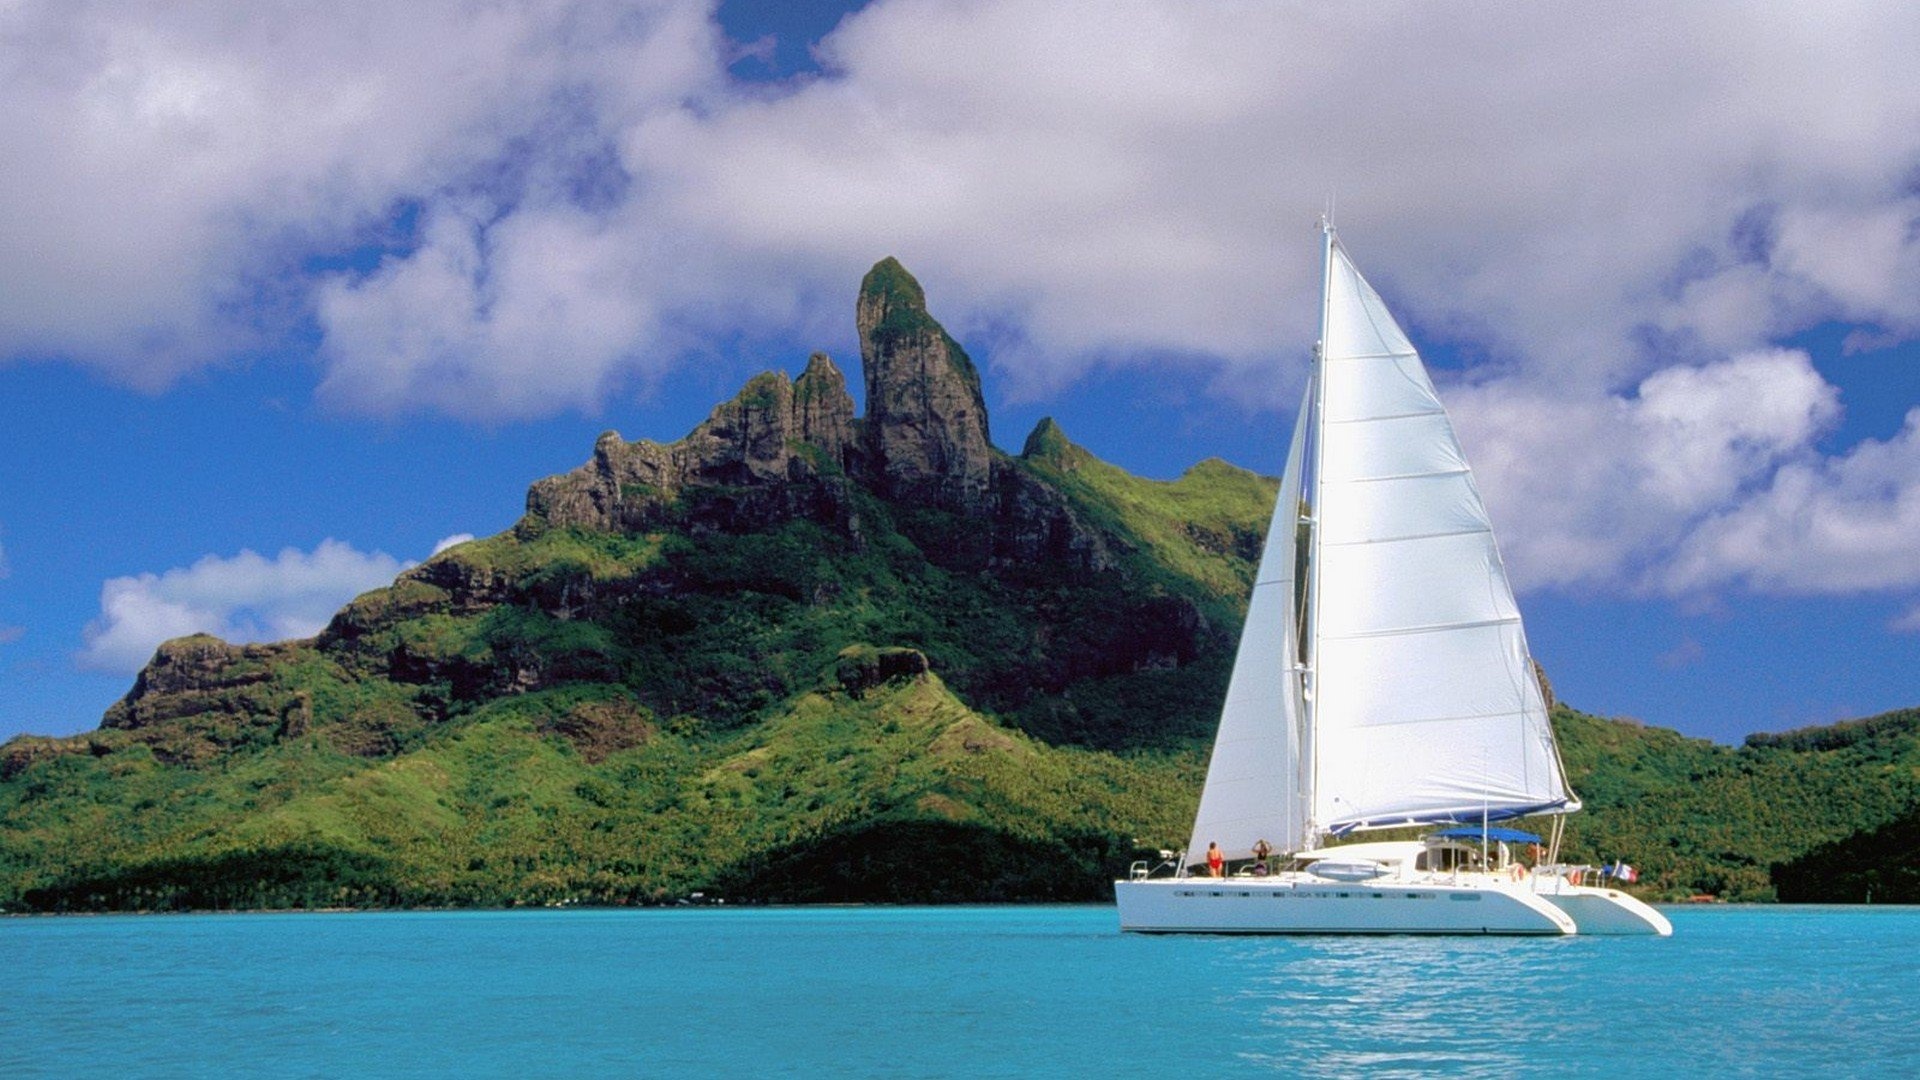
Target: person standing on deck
(1216,862)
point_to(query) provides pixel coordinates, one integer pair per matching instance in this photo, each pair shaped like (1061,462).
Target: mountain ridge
(797,654)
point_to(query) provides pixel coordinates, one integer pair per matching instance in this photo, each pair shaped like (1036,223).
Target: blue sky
(288,301)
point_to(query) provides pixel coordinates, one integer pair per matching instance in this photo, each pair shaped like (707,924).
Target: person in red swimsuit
(1216,862)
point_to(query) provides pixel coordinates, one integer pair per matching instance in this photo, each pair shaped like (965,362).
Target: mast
(1310,690)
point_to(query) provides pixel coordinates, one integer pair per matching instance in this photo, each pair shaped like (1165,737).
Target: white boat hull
(1300,904)
(1605,911)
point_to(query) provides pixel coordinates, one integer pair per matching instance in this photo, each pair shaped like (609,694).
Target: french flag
(1623,872)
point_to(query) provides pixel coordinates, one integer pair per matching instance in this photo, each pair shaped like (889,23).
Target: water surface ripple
(935,992)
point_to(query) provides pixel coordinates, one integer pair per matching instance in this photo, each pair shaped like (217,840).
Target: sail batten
(1410,539)
(1389,416)
(1436,628)
(1408,476)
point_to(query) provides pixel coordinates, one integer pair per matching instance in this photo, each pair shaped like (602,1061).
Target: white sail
(1425,706)
(1255,787)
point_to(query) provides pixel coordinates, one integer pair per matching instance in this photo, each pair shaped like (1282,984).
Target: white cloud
(452,541)
(529,315)
(244,598)
(1117,187)
(1597,491)
(1079,184)
(170,166)
(1705,479)
(1622,223)
(1847,524)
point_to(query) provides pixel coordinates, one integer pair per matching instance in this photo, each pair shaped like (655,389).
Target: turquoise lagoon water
(909,992)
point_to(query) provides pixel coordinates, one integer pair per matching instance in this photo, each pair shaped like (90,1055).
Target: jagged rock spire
(822,408)
(792,448)
(926,423)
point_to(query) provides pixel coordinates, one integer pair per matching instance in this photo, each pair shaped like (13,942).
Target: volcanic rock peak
(926,429)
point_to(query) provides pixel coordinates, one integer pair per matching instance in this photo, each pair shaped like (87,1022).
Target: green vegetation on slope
(1699,818)
(1881,866)
(806,710)
(558,714)
(507,809)
(1206,527)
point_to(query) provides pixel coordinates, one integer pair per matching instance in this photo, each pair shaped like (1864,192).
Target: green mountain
(1698,818)
(796,655)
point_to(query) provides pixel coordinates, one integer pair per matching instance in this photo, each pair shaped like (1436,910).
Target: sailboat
(1382,681)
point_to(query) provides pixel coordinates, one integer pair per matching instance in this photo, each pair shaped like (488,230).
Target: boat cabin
(1474,848)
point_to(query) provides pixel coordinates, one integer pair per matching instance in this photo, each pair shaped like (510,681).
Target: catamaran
(1382,681)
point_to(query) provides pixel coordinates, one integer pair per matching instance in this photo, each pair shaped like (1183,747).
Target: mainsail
(1419,703)
(1425,706)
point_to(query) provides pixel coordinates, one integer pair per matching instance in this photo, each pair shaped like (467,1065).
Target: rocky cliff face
(926,419)
(782,450)
(926,436)
(823,411)
(195,675)
(773,433)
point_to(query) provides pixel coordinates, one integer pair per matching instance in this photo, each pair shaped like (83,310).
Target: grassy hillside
(510,806)
(1696,817)
(896,791)
(853,703)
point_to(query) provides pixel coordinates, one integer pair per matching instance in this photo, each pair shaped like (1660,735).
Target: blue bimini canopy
(1475,832)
